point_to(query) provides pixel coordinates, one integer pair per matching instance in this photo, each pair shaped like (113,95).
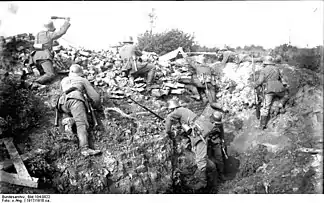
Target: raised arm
(62,31)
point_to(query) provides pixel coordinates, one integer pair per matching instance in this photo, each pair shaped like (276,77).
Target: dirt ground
(137,158)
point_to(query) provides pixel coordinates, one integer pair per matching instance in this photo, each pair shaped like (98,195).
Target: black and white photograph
(160,97)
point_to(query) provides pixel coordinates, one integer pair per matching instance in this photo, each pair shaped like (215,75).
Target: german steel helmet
(173,104)
(216,117)
(76,69)
(50,26)
(268,60)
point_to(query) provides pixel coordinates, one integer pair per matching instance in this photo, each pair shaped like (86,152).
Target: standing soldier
(43,56)
(187,119)
(216,143)
(129,53)
(202,78)
(72,101)
(271,77)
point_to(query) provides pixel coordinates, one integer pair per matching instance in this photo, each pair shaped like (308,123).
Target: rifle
(90,110)
(255,92)
(144,107)
(57,112)
(56,17)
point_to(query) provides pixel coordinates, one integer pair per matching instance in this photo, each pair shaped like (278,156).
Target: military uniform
(270,76)
(128,54)
(72,102)
(44,56)
(229,56)
(202,78)
(216,137)
(199,147)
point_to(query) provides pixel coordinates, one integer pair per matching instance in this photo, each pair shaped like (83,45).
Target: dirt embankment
(138,158)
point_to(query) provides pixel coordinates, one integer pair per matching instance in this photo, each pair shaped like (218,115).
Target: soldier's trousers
(48,68)
(268,98)
(194,83)
(145,70)
(216,156)
(78,111)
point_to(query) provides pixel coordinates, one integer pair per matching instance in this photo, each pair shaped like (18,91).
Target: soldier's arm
(91,92)
(174,116)
(260,80)
(218,106)
(61,32)
(138,52)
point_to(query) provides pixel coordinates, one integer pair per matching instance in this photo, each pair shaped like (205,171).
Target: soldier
(72,102)
(187,119)
(43,56)
(129,53)
(228,56)
(271,77)
(216,142)
(203,78)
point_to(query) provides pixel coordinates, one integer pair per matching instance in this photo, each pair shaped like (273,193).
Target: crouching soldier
(187,119)
(216,146)
(202,78)
(135,68)
(271,77)
(72,102)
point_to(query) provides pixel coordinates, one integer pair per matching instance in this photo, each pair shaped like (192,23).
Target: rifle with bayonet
(90,110)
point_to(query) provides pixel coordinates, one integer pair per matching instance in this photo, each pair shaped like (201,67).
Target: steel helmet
(172,104)
(216,117)
(76,69)
(224,48)
(268,60)
(50,26)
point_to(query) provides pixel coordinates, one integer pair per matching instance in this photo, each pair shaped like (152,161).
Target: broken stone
(178,91)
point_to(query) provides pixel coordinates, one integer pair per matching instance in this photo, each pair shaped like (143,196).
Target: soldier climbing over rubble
(271,78)
(134,68)
(198,134)
(202,78)
(73,102)
(43,55)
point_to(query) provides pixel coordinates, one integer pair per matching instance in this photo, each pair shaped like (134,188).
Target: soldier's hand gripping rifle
(90,110)
(257,103)
(223,148)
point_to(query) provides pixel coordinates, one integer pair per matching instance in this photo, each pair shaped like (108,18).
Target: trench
(137,158)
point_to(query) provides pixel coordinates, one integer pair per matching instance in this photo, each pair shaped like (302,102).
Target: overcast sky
(97,25)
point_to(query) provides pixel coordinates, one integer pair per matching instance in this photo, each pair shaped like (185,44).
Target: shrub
(162,43)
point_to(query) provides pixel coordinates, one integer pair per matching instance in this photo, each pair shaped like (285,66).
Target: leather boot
(263,122)
(195,92)
(85,151)
(200,180)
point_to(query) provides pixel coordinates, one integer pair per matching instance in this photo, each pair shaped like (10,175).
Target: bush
(309,58)
(162,43)
(18,106)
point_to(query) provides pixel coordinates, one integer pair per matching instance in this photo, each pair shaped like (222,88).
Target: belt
(71,90)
